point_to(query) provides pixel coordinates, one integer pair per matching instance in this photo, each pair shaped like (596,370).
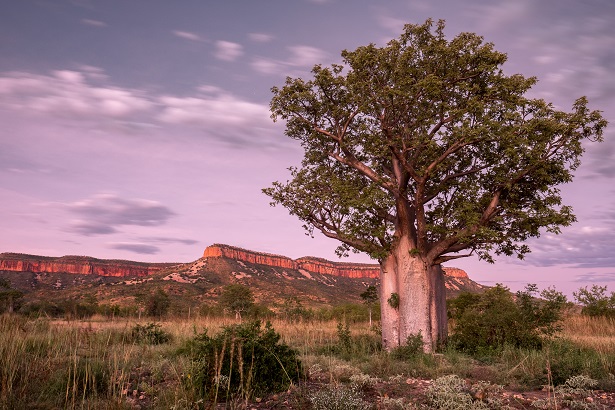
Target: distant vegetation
(308,358)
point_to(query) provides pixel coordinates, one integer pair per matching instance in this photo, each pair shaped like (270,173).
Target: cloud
(595,277)
(85,96)
(93,23)
(140,248)
(228,51)
(220,113)
(67,93)
(300,57)
(102,214)
(578,247)
(160,239)
(260,37)
(187,35)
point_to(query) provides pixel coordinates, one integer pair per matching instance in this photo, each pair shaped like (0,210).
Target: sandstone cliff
(309,264)
(82,265)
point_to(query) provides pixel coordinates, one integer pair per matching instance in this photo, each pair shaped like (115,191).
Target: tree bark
(389,316)
(422,299)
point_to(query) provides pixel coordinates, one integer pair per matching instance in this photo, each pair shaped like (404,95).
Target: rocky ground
(413,393)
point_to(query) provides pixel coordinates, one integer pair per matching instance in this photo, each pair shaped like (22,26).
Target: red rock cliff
(309,264)
(77,265)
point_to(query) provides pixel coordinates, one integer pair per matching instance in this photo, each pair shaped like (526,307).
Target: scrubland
(100,363)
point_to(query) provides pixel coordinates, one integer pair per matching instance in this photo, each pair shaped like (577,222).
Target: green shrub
(484,324)
(150,333)
(595,301)
(412,349)
(242,360)
(567,360)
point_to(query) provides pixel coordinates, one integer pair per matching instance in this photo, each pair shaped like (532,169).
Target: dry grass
(596,333)
(57,364)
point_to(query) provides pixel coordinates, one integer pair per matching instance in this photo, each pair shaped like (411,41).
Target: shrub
(595,301)
(488,322)
(150,333)
(453,393)
(412,349)
(242,360)
(339,398)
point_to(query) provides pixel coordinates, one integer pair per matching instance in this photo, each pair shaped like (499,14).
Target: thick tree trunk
(422,299)
(389,316)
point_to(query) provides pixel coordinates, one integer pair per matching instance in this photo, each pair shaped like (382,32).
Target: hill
(272,278)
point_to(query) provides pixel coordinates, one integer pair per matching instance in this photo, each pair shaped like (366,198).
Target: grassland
(100,364)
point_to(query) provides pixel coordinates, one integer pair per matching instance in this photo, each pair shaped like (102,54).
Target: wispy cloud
(187,35)
(299,57)
(217,111)
(139,248)
(94,23)
(228,51)
(67,92)
(104,213)
(595,277)
(260,37)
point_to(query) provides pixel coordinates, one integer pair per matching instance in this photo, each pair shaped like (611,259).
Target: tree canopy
(430,139)
(424,151)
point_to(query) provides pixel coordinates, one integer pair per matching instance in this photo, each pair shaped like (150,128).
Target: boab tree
(423,151)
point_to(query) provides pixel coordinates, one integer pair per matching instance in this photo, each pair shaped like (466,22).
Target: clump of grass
(243,360)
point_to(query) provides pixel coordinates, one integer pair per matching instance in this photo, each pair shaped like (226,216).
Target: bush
(412,348)
(595,301)
(488,322)
(339,398)
(150,333)
(242,360)
(453,393)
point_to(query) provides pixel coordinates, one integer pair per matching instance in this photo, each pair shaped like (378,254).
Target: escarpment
(78,265)
(308,263)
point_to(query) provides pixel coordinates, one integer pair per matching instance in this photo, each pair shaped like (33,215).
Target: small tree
(424,151)
(9,297)
(370,297)
(595,301)
(237,299)
(496,318)
(157,304)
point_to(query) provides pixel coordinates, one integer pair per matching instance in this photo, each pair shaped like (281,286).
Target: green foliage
(293,310)
(10,299)
(565,360)
(345,312)
(393,300)
(595,301)
(344,337)
(157,304)
(151,334)
(412,348)
(242,361)
(237,299)
(339,398)
(486,323)
(434,127)
(370,296)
